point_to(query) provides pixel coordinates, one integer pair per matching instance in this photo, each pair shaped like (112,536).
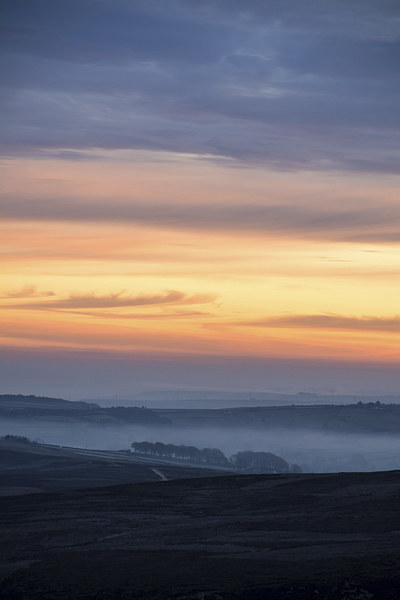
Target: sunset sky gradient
(200,194)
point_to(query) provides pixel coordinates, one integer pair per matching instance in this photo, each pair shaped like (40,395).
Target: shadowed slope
(250,537)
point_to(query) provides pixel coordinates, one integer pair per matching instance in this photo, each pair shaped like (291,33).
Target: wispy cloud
(118,300)
(329,321)
(170,314)
(28,291)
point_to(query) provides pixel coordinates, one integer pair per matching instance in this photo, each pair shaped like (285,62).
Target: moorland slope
(240,537)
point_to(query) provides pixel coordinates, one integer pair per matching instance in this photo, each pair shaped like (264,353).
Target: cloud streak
(171,314)
(118,300)
(27,291)
(330,322)
(375,224)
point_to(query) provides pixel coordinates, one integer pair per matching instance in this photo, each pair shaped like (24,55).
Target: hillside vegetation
(247,461)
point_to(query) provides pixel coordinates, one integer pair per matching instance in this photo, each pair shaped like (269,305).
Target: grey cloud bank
(379,224)
(287,84)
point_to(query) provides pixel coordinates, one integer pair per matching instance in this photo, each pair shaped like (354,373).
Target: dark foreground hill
(28,467)
(248,537)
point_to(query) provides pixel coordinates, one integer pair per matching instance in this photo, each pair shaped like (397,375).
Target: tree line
(210,456)
(246,461)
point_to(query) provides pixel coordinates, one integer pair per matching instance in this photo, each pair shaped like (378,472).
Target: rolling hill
(240,537)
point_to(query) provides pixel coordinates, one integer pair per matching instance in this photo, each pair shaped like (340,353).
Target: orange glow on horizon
(161,285)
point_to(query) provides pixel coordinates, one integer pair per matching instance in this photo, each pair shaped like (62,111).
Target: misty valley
(245,503)
(320,438)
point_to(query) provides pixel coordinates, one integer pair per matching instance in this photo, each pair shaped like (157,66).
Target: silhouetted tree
(259,462)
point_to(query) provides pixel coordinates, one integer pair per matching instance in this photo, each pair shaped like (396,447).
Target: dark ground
(249,537)
(27,468)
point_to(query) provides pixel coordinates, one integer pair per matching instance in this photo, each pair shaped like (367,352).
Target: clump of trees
(209,456)
(259,462)
(16,438)
(247,462)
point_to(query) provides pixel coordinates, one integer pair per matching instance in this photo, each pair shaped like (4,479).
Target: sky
(200,194)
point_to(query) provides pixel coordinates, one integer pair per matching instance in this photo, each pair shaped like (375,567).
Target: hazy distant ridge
(352,418)
(38,407)
(363,417)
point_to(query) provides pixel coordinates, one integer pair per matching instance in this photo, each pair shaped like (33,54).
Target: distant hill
(43,408)
(187,398)
(370,417)
(362,417)
(18,402)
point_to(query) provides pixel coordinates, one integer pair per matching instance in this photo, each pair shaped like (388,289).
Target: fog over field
(313,451)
